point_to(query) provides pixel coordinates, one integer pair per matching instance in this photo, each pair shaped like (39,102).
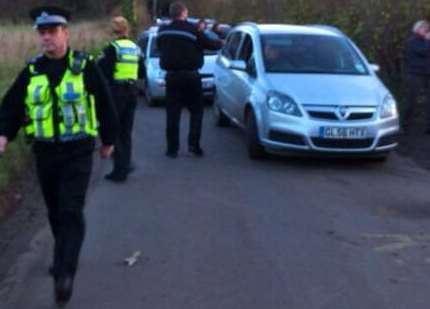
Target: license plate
(343,133)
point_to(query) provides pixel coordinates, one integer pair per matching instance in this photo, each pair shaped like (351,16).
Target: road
(227,232)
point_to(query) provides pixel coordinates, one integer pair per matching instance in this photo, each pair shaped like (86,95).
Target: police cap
(45,16)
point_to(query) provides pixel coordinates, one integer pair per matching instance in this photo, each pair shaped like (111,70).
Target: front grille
(323,115)
(360,116)
(333,112)
(288,138)
(342,143)
(388,140)
(206,75)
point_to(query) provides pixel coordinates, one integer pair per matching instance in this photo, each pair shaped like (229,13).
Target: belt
(129,82)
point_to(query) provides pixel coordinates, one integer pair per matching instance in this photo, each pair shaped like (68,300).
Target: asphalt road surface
(227,232)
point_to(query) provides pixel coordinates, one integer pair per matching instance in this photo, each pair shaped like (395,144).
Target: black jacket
(417,55)
(182,45)
(12,111)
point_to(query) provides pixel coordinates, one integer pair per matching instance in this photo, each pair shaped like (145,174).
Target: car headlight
(388,108)
(282,103)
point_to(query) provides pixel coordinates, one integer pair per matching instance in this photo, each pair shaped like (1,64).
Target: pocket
(69,115)
(41,116)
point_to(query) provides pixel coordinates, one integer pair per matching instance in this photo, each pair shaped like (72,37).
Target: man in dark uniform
(122,65)
(60,99)
(181,46)
(417,56)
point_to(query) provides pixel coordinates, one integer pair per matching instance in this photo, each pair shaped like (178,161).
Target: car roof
(296,29)
(166,21)
(152,29)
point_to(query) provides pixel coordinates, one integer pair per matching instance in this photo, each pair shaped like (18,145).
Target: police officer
(59,98)
(417,56)
(122,65)
(181,46)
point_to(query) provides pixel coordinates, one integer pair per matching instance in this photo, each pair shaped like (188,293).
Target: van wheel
(255,149)
(221,120)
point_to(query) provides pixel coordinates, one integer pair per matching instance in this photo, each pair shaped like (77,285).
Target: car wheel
(255,149)
(149,100)
(140,87)
(221,120)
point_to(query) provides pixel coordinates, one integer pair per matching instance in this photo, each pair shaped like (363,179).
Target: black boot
(116,176)
(196,150)
(63,289)
(171,154)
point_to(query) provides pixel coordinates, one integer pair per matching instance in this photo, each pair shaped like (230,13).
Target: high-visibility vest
(62,113)
(127,62)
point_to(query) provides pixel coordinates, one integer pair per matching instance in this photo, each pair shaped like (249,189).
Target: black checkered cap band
(46,19)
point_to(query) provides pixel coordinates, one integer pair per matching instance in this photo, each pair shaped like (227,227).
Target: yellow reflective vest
(62,113)
(127,62)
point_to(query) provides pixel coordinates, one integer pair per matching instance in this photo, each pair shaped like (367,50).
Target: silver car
(155,88)
(303,88)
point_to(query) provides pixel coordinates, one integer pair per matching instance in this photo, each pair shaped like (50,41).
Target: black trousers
(125,96)
(64,173)
(183,89)
(417,85)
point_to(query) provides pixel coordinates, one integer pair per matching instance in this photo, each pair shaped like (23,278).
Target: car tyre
(221,120)
(149,100)
(255,149)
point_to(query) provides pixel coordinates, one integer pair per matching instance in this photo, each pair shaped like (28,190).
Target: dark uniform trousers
(417,85)
(183,89)
(125,96)
(64,174)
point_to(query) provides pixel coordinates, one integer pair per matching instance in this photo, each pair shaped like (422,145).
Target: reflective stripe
(39,121)
(37,98)
(68,118)
(128,51)
(178,33)
(82,117)
(128,55)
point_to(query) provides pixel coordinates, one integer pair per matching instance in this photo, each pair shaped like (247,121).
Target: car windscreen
(155,52)
(313,54)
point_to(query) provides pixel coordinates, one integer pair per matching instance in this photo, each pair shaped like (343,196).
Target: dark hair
(202,23)
(176,9)
(216,28)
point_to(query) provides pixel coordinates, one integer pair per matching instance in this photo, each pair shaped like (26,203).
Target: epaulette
(35,59)
(79,61)
(31,64)
(81,54)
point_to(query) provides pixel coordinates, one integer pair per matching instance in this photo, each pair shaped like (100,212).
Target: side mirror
(375,67)
(239,65)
